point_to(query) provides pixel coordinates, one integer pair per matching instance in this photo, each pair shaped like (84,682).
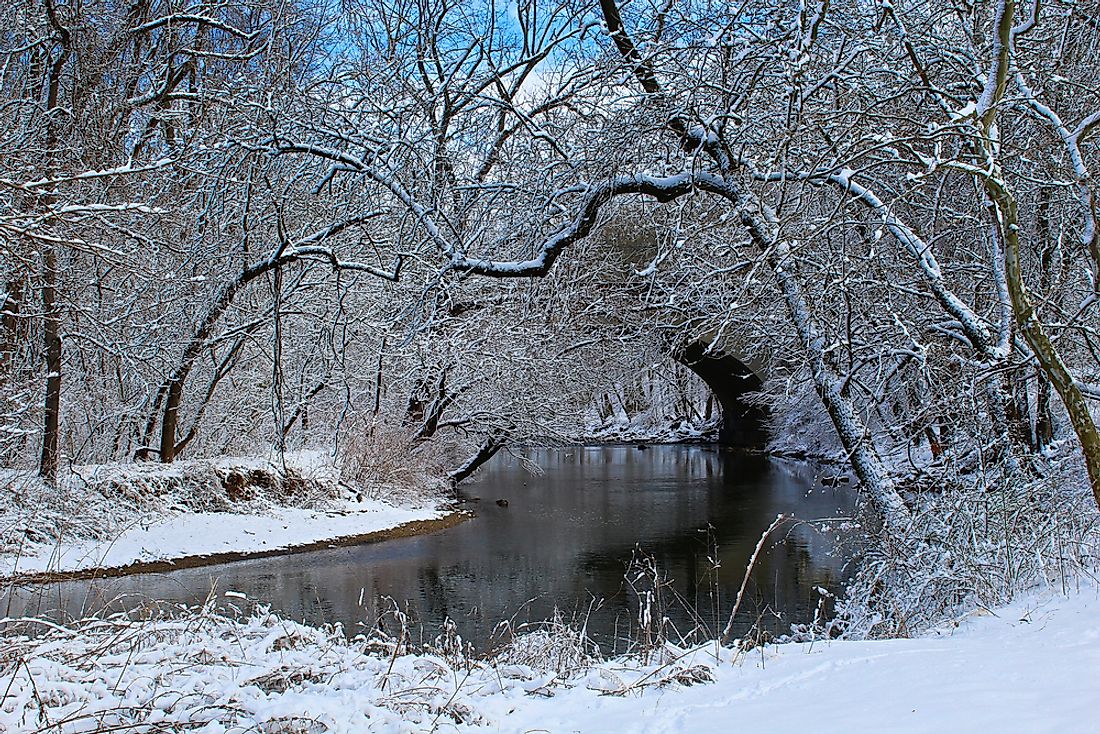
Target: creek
(563,537)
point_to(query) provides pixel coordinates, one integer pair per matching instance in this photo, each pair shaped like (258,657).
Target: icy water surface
(563,541)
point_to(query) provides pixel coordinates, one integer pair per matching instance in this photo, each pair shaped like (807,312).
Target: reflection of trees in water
(566,537)
(781,590)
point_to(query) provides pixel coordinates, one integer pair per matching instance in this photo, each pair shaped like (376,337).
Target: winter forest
(324,265)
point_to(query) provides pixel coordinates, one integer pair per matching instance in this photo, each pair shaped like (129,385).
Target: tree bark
(51,430)
(1008,229)
(488,449)
(1031,328)
(51,310)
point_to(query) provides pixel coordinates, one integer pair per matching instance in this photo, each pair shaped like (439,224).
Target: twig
(779,520)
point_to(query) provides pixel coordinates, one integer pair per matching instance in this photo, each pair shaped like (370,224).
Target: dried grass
(381,461)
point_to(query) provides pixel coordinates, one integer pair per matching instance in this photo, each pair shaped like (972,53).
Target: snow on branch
(662,189)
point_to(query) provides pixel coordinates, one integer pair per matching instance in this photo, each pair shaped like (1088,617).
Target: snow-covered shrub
(32,512)
(197,668)
(973,545)
(379,461)
(559,644)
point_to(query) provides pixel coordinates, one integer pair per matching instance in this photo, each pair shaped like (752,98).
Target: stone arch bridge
(729,377)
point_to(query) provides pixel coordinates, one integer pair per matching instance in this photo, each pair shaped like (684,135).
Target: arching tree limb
(170,393)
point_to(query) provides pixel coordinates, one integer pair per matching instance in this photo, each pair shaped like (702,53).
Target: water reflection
(563,541)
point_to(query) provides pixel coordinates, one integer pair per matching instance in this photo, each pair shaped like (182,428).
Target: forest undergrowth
(974,543)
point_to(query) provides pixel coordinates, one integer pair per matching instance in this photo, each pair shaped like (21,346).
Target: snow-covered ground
(648,429)
(118,515)
(1033,666)
(191,534)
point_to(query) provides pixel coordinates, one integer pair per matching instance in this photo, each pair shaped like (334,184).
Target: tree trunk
(762,228)
(853,433)
(1007,227)
(51,311)
(1050,361)
(488,449)
(1044,421)
(51,430)
(171,392)
(170,418)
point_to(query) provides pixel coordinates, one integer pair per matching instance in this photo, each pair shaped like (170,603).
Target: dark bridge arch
(729,379)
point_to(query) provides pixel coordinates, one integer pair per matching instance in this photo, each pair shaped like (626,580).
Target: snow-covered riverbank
(148,517)
(1033,666)
(194,538)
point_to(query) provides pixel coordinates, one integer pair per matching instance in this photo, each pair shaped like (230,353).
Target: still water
(564,541)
